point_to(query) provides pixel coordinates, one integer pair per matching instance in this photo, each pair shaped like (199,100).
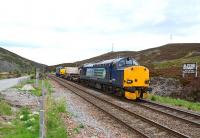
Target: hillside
(166,56)
(165,64)
(11,62)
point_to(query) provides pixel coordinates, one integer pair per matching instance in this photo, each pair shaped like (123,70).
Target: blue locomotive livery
(122,76)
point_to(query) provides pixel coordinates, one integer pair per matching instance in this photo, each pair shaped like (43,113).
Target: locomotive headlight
(129,81)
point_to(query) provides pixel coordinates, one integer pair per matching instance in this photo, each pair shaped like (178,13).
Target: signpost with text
(190,68)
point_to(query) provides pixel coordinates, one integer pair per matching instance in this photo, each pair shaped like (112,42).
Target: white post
(196,70)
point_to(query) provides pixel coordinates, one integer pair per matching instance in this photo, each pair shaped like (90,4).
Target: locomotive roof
(103,62)
(59,67)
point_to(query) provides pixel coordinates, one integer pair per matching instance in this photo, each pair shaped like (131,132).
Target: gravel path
(7,83)
(20,98)
(96,123)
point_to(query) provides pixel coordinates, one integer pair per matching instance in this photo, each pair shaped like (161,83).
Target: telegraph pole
(112,47)
(171,38)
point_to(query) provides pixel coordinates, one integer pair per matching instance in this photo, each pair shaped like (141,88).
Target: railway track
(135,122)
(186,116)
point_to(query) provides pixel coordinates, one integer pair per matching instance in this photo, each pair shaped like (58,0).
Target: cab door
(117,73)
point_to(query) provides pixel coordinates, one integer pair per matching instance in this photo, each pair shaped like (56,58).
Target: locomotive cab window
(135,63)
(126,62)
(129,62)
(122,63)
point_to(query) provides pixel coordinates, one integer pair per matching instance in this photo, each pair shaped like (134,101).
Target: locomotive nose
(136,76)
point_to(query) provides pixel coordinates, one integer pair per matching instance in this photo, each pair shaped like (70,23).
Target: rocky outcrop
(165,86)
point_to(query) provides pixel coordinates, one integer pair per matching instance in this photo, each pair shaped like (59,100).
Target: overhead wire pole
(112,47)
(171,38)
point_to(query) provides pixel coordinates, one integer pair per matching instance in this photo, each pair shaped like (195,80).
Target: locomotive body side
(122,76)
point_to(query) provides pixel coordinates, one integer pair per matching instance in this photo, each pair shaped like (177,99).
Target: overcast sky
(60,31)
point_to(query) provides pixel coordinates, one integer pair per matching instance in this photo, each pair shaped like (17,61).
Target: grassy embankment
(55,126)
(195,106)
(36,91)
(177,62)
(5,108)
(24,124)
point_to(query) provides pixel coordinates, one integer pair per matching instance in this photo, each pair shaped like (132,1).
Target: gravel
(96,123)
(185,128)
(20,98)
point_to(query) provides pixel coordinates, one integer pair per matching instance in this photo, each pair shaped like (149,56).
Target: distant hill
(166,56)
(164,61)
(10,62)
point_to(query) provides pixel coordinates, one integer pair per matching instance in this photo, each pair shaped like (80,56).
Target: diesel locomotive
(122,76)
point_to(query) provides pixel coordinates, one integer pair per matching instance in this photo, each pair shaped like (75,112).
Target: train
(120,76)
(69,73)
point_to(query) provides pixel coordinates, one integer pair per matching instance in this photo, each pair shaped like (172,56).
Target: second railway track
(189,117)
(143,126)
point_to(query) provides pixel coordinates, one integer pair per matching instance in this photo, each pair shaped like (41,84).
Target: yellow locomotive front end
(136,82)
(62,72)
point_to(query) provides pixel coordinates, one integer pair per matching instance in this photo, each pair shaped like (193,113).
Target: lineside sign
(190,68)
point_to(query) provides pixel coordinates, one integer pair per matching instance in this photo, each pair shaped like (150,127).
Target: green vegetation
(177,102)
(25,125)
(78,129)
(5,108)
(177,62)
(48,86)
(37,91)
(54,125)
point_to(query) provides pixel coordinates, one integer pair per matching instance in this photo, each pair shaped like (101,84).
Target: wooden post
(37,71)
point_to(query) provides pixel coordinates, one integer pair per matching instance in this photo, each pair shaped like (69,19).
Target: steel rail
(118,120)
(180,111)
(164,128)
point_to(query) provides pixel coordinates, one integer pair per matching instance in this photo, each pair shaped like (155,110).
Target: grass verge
(25,125)
(36,91)
(48,86)
(177,102)
(54,124)
(5,108)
